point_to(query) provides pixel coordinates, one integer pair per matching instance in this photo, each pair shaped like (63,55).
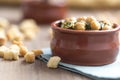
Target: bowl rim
(55,27)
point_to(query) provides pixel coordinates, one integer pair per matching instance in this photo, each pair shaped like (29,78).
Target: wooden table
(19,70)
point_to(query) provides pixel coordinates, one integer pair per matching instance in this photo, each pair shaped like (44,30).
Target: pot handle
(116,26)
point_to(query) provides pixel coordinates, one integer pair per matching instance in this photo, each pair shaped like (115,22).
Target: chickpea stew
(86,23)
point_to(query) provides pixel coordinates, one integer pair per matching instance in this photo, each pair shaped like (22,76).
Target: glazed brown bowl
(89,47)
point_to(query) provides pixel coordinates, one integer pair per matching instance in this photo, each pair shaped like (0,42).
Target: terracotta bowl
(90,47)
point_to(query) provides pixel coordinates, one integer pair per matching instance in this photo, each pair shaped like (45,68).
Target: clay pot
(90,47)
(42,11)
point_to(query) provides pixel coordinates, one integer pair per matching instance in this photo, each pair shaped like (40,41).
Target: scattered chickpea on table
(26,30)
(16,34)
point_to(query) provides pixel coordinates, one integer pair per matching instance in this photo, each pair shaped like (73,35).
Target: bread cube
(53,62)
(14,33)
(37,52)
(3,37)
(15,47)
(29,35)
(11,54)
(15,54)
(4,23)
(17,42)
(29,57)
(8,55)
(3,49)
(28,25)
(23,50)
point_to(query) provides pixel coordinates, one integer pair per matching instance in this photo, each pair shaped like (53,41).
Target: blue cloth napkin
(106,72)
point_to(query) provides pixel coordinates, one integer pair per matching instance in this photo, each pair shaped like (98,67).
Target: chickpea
(90,19)
(68,23)
(106,27)
(80,25)
(82,18)
(95,25)
(107,22)
(72,19)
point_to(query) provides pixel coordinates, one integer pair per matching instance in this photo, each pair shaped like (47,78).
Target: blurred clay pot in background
(90,47)
(43,11)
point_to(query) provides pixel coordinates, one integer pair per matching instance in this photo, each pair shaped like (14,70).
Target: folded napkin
(106,72)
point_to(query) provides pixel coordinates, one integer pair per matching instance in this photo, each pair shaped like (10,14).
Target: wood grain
(19,70)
